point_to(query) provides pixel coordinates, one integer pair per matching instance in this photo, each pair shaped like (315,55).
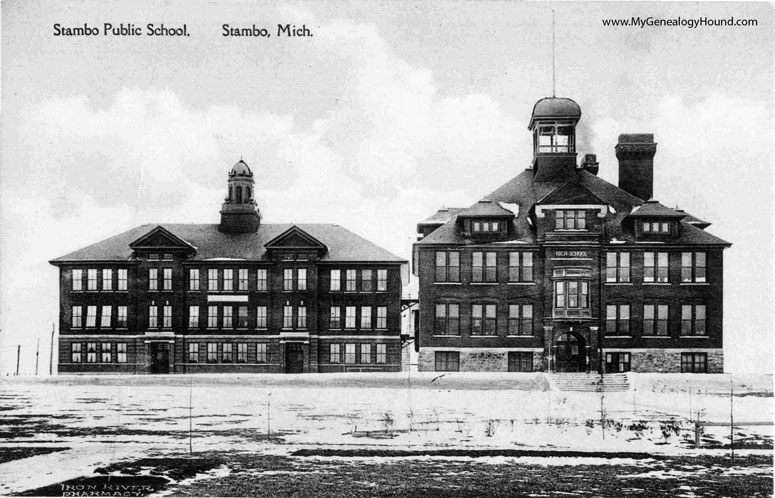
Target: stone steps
(592,382)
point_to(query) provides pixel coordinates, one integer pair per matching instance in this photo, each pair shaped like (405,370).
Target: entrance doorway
(570,354)
(294,357)
(160,358)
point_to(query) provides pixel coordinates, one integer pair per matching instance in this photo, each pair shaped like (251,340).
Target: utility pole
(37,353)
(51,353)
(731,419)
(18,353)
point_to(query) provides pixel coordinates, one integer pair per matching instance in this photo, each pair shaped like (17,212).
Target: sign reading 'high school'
(571,254)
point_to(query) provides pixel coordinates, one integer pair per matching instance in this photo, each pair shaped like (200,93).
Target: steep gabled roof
(486,208)
(295,237)
(571,193)
(160,238)
(653,209)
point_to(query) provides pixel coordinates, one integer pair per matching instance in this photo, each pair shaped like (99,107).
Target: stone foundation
(669,360)
(479,359)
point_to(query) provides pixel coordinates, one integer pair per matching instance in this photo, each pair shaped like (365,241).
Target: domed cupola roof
(241,169)
(555,108)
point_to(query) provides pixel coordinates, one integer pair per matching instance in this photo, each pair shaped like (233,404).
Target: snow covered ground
(106,419)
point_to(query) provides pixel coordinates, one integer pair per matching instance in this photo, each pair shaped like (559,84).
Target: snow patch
(510,206)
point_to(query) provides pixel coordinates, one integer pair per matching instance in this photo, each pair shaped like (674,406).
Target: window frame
(446,361)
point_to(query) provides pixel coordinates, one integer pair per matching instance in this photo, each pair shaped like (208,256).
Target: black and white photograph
(457,248)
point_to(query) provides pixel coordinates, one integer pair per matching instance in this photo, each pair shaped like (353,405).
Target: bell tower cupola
(239,213)
(553,124)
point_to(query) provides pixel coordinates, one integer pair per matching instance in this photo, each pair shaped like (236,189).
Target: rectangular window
(243,279)
(228,317)
(382,280)
(655,319)
(153,279)
(447,361)
(447,266)
(349,317)
(261,277)
(617,267)
(655,267)
(301,317)
(106,353)
(334,354)
(447,319)
(167,272)
(212,352)
(381,353)
(77,321)
(242,352)
(91,279)
(336,280)
(121,320)
(520,267)
(349,353)
(193,353)
(228,279)
(693,267)
(193,279)
(91,352)
(287,317)
(107,311)
(694,362)
(242,317)
(381,317)
(570,219)
(121,352)
(365,353)
(520,361)
(520,319)
(167,317)
(490,267)
(617,319)
(107,279)
(212,279)
(693,319)
(122,277)
(301,279)
(261,353)
(366,317)
(154,256)
(336,318)
(366,281)
(227,352)
(477,267)
(261,317)
(193,317)
(212,317)
(350,281)
(77,281)
(288,279)
(617,362)
(91,316)
(483,319)
(75,352)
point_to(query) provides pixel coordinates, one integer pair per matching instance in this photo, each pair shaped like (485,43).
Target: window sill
(694,283)
(447,283)
(617,337)
(484,283)
(618,283)
(657,283)
(520,283)
(521,336)
(655,337)
(490,336)
(695,337)
(446,335)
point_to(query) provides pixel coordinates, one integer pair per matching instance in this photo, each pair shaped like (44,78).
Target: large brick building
(558,270)
(239,296)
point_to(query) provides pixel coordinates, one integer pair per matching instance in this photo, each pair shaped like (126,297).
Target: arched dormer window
(247,194)
(239,195)
(231,194)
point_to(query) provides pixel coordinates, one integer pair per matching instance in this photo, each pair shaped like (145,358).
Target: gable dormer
(569,212)
(295,244)
(160,243)
(654,221)
(486,220)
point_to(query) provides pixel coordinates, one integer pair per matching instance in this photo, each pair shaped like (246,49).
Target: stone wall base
(669,360)
(479,359)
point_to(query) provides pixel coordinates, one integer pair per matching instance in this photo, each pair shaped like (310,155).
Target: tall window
(617,319)
(212,279)
(107,279)
(227,352)
(193,352)
(336,318)
(381,280)
(167,318)
(106,352)
(261,317)
(153,279)
(484,267)
(287,317)
(693,319)
(447,319)
(228,317)
(520,267)
(193,317)
(107,311)
(617,268)
(261,279)
(288,279)
(334,353)
(122,277)
(655,267)
(242,317)
(693,265)
(366,282)
(121,321)
(655,319)
(520,319)
(212,352)
(447,361)
(336,280)
(91,352)
(261,352)
(349,353)
(75,352)
(243,279)
(447,266)
(301,317)
(121,352)
(212,317)
(167,272)
(77,321)
(571,294)
(365,317)
(301,279)
(381,353)
(381,317)
(694,362)
(77,282)
(570,219)
(193,279)
(483,319)
(365,353)
(242,352)
(228,279)
(91,279)
(350,281)
(349,317)
(91,316)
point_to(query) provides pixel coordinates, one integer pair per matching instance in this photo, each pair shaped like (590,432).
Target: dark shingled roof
(343,245)
(694,220)
(653,209)
(441,216)
(486,207)
(555,107)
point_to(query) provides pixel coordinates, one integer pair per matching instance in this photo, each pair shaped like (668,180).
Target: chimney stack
(589,163)
(635,153)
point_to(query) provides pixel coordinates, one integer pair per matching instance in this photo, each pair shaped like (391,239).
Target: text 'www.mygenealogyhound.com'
(691,23)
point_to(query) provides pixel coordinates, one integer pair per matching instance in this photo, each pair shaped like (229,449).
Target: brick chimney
(590,164)
(635,153)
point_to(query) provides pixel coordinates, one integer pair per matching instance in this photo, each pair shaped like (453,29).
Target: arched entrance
(570,353)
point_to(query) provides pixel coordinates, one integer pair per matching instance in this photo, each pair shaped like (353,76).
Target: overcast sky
(390,111)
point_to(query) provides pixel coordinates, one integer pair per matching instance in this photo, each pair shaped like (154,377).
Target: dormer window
(487,226)
(555,138)
(570,219)
(656,227)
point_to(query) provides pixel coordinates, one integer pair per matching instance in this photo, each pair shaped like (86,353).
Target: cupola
(553,124)
(239,213)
